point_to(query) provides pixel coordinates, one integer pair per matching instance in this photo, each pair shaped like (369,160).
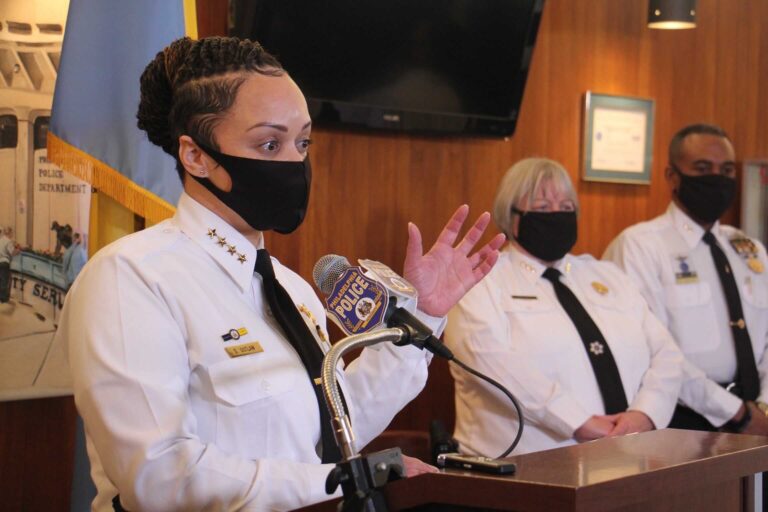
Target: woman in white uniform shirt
(513,327)
(193,397)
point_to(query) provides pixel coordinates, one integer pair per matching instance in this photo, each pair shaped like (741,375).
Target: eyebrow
(710,162)
(280,127)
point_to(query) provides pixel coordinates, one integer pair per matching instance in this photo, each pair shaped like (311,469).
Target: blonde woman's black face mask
(546,235)
(267,194)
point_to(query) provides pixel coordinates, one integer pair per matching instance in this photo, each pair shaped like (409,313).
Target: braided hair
(189,86)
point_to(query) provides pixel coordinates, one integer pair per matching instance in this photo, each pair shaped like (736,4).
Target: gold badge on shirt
(599,288)
(685,273)
(244,349)
(318,330)
(747,249)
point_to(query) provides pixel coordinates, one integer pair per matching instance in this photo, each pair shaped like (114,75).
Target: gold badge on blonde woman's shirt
(599,288)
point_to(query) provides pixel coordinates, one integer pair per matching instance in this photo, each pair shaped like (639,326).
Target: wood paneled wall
(368,186)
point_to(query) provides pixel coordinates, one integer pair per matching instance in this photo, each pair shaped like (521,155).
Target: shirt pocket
(692,319)
(257,401)
(755,293)
(241,381)
(538,331)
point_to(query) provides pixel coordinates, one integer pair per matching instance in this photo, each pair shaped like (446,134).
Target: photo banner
(44,211)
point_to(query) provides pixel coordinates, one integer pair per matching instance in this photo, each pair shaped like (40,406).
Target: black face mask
(705,197)
(267,194)
(546,235)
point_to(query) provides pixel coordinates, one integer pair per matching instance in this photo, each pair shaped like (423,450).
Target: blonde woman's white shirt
(172,421)
(512,328)
(694,309)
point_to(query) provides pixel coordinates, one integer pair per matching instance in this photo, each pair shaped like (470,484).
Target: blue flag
(93,133)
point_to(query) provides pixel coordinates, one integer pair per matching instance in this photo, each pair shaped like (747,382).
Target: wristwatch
(739,426)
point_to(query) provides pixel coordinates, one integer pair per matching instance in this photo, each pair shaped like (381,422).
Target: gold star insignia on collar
(599,287)
(241,258)
(231,249)
(211,232)
(222,241)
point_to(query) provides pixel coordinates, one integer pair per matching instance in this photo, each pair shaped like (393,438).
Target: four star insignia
(222,241)
(596,348)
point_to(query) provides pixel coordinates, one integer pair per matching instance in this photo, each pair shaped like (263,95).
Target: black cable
(504,390)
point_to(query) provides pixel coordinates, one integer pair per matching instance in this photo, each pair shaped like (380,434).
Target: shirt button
(168,230)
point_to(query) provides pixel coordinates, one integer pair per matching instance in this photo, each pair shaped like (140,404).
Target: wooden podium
(664,470)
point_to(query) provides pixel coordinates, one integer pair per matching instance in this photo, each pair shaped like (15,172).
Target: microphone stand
(361,477)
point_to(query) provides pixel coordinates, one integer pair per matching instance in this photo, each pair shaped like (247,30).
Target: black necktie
(600,356)
(747,375)
(302,340)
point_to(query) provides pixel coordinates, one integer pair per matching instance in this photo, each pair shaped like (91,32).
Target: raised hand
(444,274)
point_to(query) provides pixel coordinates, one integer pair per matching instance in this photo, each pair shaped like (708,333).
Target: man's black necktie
(600,356)
(302,340)
(747,376)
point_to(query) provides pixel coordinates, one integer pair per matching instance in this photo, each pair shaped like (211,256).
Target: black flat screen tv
(423,66)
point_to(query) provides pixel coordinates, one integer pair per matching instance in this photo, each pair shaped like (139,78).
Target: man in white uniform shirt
(707,283)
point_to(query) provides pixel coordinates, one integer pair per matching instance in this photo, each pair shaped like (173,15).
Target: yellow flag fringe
(108,181)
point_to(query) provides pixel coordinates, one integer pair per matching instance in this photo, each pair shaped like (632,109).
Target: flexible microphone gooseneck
(403,329)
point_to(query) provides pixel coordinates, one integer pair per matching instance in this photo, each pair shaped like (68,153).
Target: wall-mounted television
(424,66)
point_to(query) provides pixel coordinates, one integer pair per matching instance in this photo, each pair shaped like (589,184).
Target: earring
(203,173)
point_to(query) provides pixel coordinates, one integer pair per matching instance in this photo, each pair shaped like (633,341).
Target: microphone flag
(356,303)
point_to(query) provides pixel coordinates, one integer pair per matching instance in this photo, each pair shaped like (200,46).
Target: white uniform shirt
(512,328)
(172,420)
(7,248)
(695,311)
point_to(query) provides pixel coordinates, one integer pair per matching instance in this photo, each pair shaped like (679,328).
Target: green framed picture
(618,139)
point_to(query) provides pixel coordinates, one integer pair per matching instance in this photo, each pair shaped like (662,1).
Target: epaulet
(747,249)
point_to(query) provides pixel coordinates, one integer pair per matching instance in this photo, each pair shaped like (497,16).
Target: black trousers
(5,282)
(688,419)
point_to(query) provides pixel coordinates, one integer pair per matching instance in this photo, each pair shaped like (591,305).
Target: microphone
(360,302)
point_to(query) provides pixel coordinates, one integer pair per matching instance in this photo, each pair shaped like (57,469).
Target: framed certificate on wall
(618,139)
